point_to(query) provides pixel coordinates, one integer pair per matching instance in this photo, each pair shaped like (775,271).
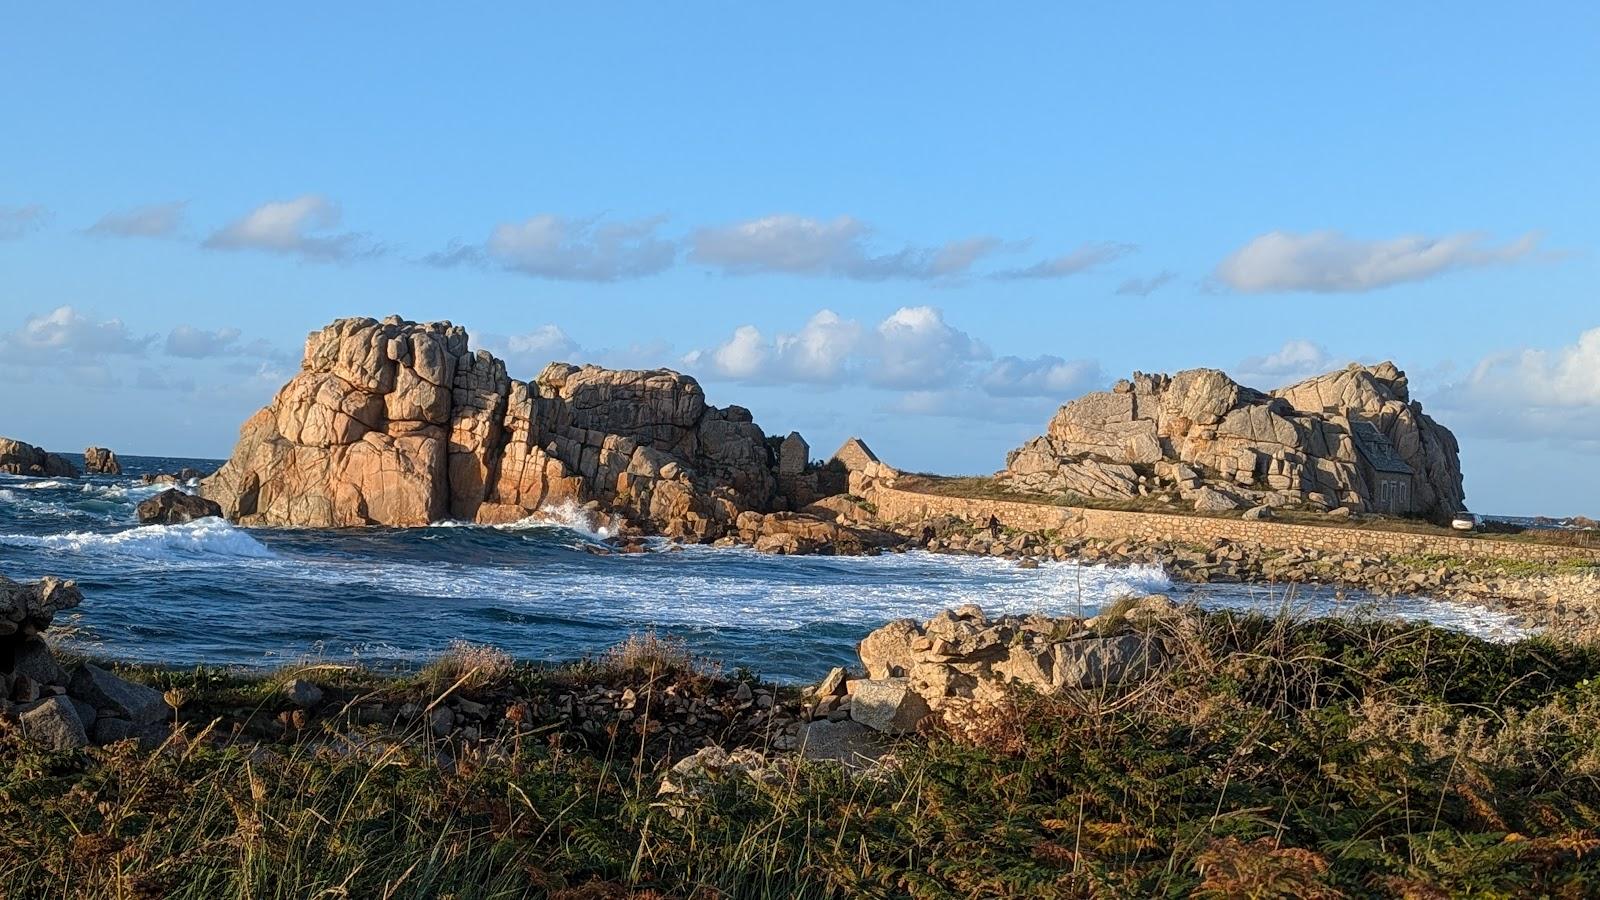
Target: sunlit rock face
(1351,438)
(401,423)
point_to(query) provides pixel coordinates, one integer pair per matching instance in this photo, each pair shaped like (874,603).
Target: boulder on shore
(100,461)
(174,507)
(18,458)
(54,707)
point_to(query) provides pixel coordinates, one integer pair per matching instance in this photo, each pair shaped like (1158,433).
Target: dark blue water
(210,592)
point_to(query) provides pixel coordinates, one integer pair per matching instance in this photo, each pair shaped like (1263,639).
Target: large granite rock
(18,458)
(101,461)
(174,507)
(399,423)
(1202,437)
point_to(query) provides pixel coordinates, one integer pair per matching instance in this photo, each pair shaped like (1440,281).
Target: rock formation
(100,461)
(399,423)
(961,657)
(18,458)
(1351,438)
(60,708)
(174,507)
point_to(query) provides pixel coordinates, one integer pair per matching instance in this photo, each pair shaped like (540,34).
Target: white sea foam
(566,515)
(210,537)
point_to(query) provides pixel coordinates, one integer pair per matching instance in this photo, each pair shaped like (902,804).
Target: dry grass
(467,666)
(651,654)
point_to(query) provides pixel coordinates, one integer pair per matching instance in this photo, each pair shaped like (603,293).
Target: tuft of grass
(468,667)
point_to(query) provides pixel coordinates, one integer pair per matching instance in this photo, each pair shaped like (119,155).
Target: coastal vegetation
(1268,757)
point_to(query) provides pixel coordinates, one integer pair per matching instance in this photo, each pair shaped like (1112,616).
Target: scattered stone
(441,721)
(118,698)
(34,659)
(1258,512)
(886,704)
(54,723)
(302,693)
(833,684)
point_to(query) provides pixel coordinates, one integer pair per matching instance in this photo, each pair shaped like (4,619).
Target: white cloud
(1296,360)
(1041,376)
(195,343)
(527,354)
(1144,287)
(824,351)
(1531,394)
(918,349)
(800,245)
(64,331)
(911,348)
(17,221)
(301,227)
(157,220)
(564,249)
(1328,261)
(1080,259)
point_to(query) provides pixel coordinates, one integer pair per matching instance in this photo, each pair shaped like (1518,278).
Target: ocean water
(211,592)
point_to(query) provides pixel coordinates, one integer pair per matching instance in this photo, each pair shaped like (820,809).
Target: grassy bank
(1268,759)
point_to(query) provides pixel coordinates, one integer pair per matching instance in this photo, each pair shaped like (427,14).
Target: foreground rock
(399,423)
(18,458)
(1351,438)
(174,507)
(57,707)
(961,657)
(100,461)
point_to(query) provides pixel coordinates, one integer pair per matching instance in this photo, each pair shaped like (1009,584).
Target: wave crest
(211,537)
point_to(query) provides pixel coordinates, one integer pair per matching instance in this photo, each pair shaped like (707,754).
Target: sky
(929,225)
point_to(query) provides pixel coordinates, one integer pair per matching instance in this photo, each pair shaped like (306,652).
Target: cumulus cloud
(568,249)
(17,221)
(1531,394)
(64,331)
(157,220)
(1079,259)
(1329,261)
(303,227)
(840,247)
(1296,360)
(916,348)
(911,348)
(1040,376)
(531,351)
(1144,287)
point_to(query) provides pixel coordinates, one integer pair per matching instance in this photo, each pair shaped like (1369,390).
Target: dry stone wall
(905,507)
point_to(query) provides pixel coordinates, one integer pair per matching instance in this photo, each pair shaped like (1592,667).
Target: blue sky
(926,226)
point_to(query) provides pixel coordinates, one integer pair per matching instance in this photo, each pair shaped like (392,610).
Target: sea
(209,592)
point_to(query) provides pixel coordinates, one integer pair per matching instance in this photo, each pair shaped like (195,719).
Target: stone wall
(908,507)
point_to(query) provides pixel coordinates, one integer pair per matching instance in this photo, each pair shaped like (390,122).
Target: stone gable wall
(907,507)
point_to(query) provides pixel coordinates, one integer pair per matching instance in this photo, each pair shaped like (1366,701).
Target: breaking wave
(200,538)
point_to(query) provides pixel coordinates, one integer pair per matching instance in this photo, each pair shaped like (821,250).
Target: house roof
(1378,450)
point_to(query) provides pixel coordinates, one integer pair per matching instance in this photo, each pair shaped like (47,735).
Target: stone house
(1388,476)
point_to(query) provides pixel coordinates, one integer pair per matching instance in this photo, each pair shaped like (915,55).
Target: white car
(1464,521)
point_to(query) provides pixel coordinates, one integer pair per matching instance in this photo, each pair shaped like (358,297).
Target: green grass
(1271,758)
